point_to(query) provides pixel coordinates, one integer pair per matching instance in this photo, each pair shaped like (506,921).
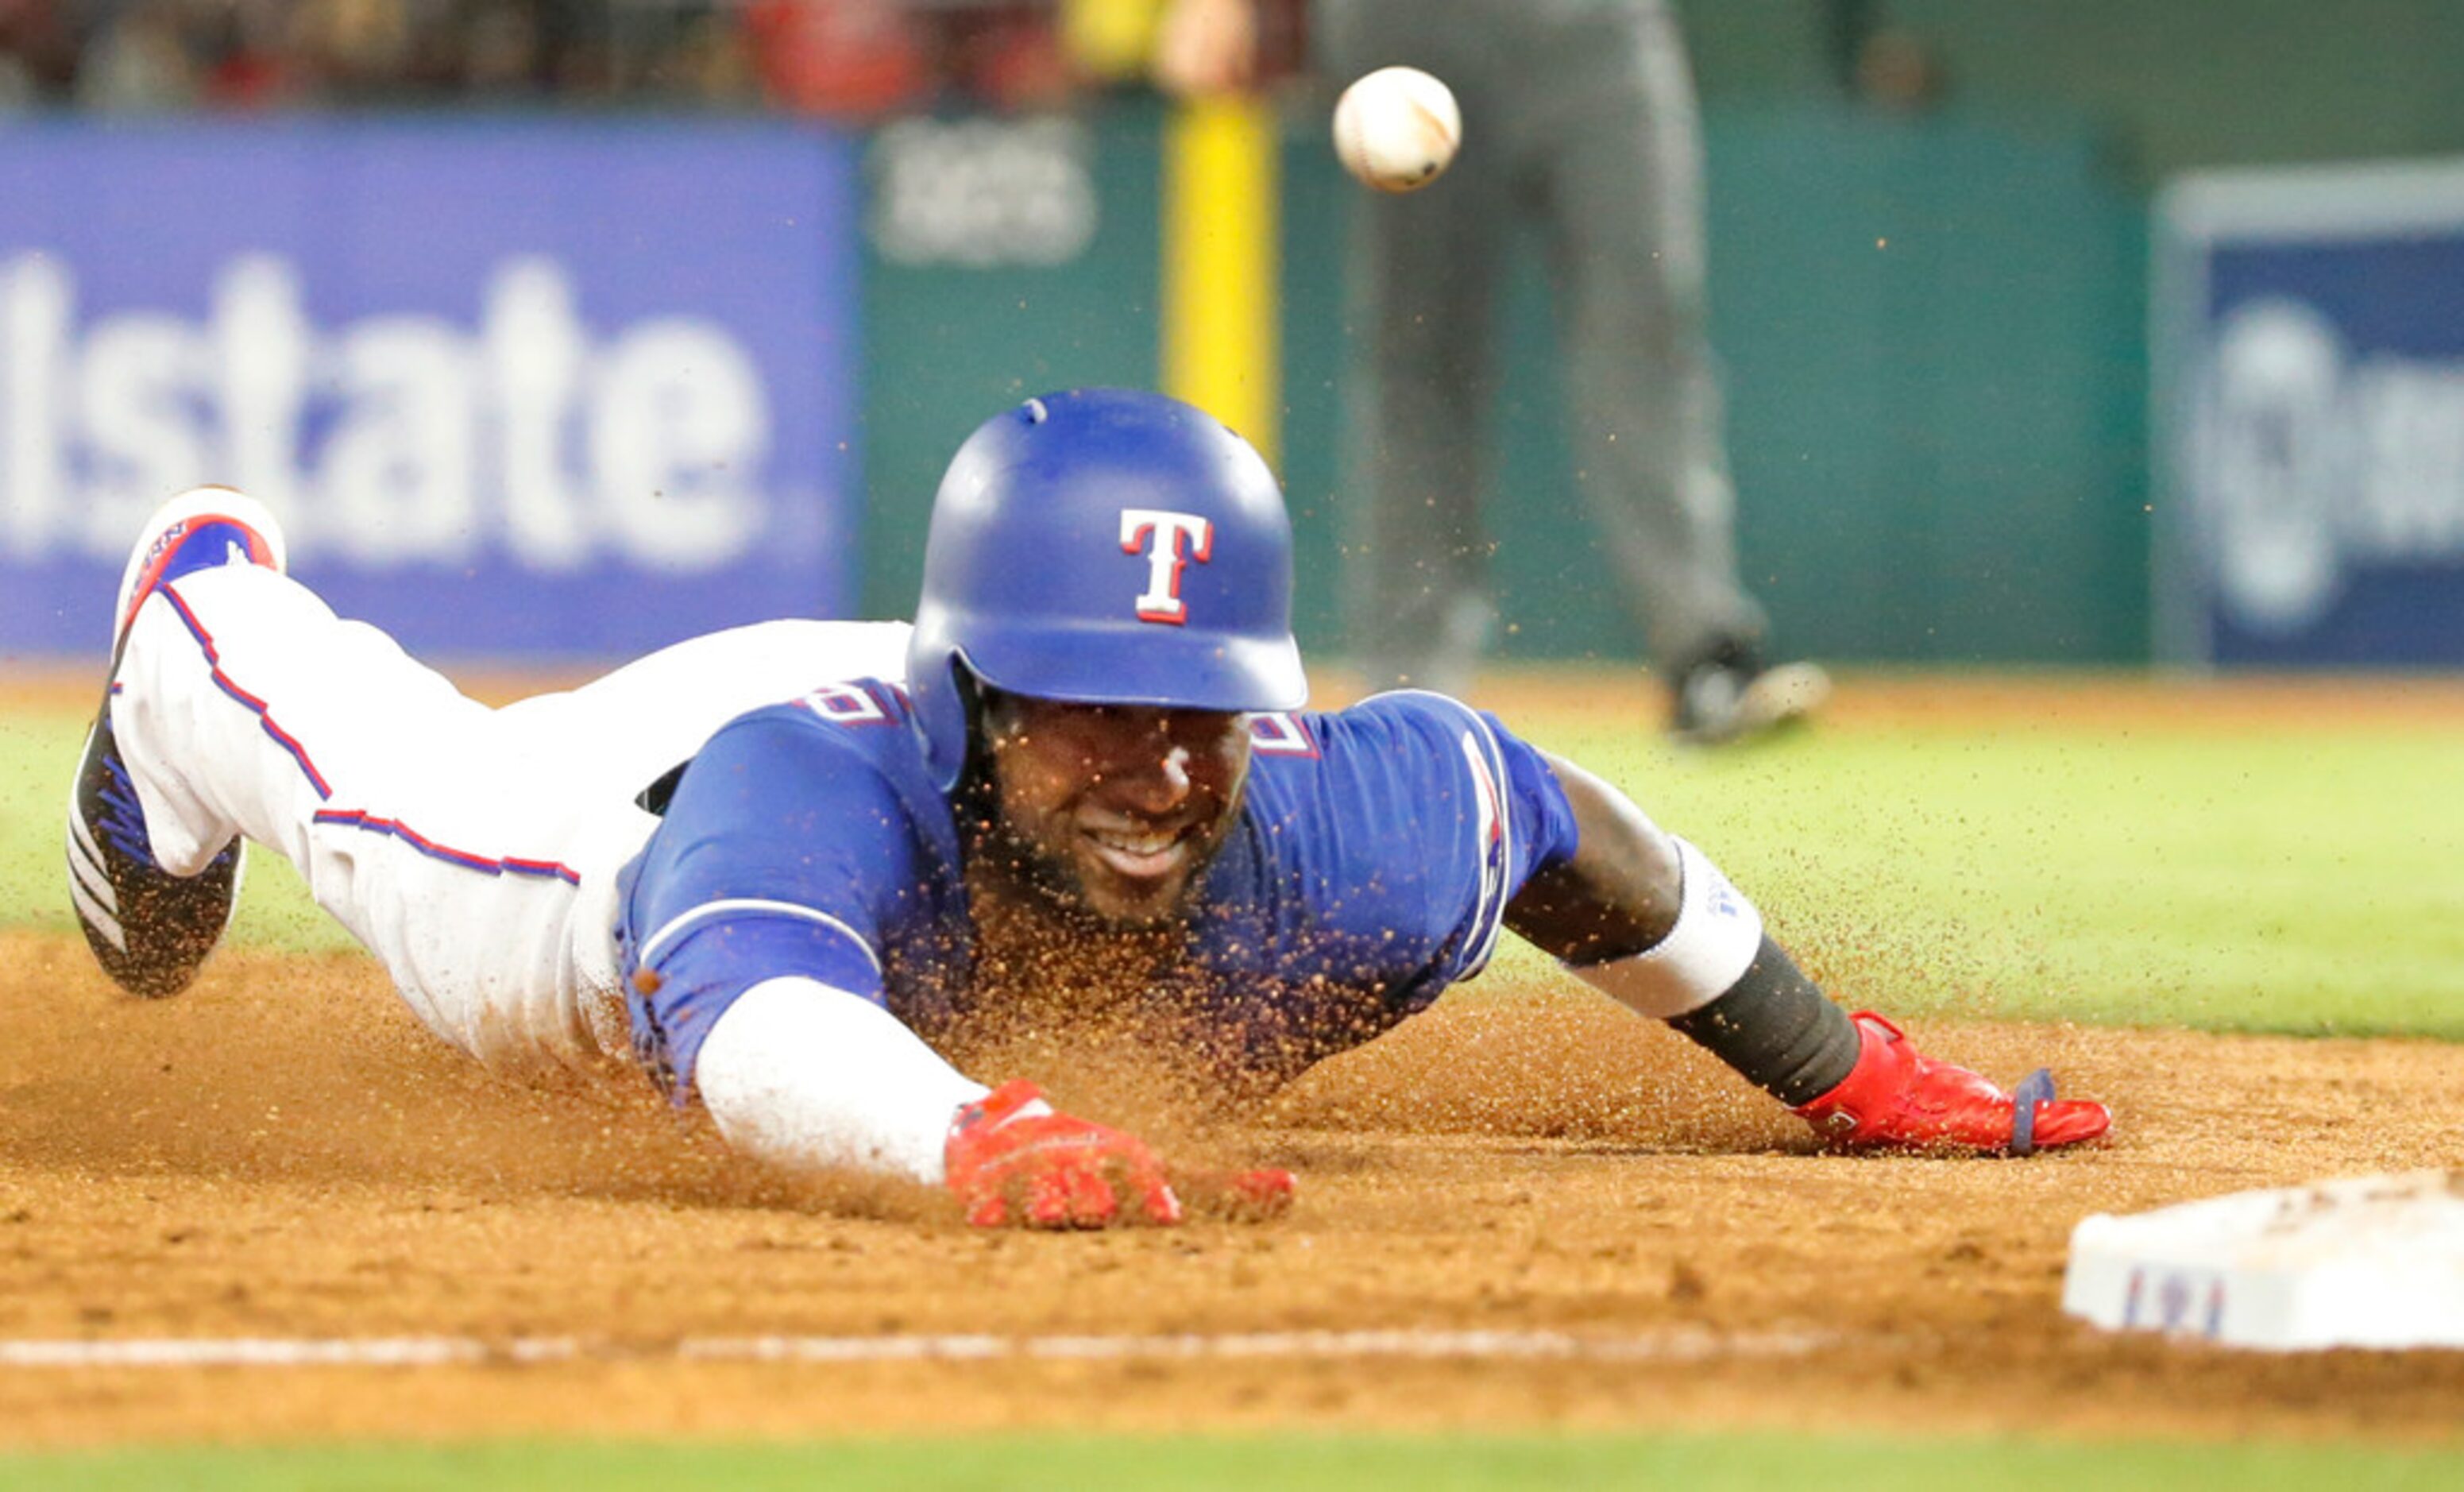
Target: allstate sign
(2311,383)
(526,389)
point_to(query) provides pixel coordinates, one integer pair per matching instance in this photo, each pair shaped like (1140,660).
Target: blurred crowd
(846,58)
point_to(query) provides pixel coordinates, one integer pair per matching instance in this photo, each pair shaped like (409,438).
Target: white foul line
(1681,1344)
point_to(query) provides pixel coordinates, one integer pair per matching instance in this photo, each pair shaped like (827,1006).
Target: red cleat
(1897,1098)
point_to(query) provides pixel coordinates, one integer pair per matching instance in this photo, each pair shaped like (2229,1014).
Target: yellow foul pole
(1220,288)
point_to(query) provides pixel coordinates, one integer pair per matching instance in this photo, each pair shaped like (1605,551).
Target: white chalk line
(1685,1344)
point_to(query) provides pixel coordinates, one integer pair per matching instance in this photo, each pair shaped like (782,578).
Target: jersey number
(845,704)
(1281,734)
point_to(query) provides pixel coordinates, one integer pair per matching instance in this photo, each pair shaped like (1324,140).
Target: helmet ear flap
(975,699)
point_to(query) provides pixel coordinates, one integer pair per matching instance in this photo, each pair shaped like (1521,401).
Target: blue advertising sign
(515,388)
(2310,386)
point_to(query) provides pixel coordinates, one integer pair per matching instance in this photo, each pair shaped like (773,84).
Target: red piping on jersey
(255,705)
(353,818)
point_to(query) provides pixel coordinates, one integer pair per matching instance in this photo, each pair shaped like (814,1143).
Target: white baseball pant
(473,850)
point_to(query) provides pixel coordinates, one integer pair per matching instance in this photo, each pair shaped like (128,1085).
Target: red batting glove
(1897,1098)
(1013,1158)
(1260,1196)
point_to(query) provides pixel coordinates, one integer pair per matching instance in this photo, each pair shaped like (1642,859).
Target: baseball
(1396,128)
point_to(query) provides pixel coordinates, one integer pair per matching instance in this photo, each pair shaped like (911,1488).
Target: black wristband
(1777,1028)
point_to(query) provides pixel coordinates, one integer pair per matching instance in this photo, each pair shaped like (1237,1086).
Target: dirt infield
(280,1155)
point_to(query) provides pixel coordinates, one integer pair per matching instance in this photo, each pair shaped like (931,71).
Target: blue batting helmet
(1104,547)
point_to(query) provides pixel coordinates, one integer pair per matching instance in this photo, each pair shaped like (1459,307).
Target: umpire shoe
(1729,693)
(148,929)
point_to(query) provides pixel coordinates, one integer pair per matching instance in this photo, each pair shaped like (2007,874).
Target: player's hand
(1898,1097)
(1012,1158)
(1258,1195)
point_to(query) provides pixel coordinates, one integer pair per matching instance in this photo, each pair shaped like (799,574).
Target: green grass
(1300,1464)
(2217,880)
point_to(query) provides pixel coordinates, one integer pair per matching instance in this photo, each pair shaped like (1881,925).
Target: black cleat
(1729,695)
(149,930)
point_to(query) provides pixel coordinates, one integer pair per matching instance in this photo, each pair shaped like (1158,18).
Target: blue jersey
(1370,865)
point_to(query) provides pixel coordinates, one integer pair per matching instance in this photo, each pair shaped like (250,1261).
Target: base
(2361,1262)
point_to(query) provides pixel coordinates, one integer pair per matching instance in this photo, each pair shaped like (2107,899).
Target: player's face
(1122,806)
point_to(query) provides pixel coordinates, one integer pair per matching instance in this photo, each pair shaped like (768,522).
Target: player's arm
(804,1076)
(1647,918)
(754,931)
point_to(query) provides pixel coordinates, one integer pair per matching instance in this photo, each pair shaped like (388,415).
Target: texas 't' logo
(1169,540)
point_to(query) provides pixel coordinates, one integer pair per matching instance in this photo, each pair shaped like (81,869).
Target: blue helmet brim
(1085,665)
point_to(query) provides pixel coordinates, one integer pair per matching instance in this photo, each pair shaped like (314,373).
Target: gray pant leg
(1421,279)
(1623,170)
(1418,446)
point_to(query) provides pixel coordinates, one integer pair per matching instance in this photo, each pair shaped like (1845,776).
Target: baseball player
(768,862)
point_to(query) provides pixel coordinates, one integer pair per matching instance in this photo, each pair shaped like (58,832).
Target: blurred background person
(37,54)
(1580,122)
(139,61)
(839,57)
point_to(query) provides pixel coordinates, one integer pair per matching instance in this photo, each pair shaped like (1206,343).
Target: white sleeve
(805,1076)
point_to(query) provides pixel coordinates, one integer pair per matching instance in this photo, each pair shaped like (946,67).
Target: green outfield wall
(1932,332)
